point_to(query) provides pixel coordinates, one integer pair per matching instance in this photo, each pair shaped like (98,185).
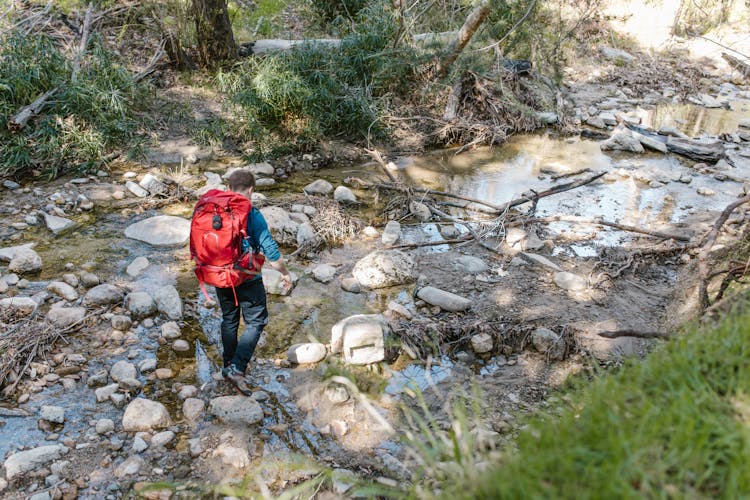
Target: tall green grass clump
(318,91)
(81,123)
(676,425)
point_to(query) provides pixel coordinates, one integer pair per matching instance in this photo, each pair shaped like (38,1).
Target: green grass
(263,21)
(672,426)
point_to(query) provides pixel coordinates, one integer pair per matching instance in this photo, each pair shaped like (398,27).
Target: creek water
(643,190)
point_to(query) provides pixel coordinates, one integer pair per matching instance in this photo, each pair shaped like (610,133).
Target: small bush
(81,123)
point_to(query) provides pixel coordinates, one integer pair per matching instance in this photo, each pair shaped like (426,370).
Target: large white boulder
(160,231)
(443,299)
(24,461)
(361,338)
(384,268)
(145,415)
(236,409)
(282,227)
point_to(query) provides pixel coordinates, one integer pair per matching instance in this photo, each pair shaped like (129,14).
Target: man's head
(241,181)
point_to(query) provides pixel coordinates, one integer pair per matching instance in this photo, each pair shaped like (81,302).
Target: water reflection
(697,120)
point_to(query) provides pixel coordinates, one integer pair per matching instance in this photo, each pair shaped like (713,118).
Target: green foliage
(674,425)
(318,91)
(336,11)
(264,20)
(81,123)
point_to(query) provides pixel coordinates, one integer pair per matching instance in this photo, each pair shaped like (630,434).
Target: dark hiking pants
(251,299)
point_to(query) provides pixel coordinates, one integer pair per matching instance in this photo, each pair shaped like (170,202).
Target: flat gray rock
(160,231)
(443,299)
(19,463)
(58,224)
(319,186)
(236,409)
(145,415)
(64,317)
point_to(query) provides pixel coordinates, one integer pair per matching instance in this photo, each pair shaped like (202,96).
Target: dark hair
(240,180)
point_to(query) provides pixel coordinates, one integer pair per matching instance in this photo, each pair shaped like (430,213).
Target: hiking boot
(237,379)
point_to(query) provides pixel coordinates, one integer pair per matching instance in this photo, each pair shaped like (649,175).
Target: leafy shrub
(329,11)
(81,123)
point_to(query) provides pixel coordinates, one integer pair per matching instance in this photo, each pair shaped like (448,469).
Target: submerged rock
(161,230)
(384,268)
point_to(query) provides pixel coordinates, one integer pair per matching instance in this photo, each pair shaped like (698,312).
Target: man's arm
(269,247)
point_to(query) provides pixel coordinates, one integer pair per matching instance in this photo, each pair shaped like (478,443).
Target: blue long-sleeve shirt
(260,236)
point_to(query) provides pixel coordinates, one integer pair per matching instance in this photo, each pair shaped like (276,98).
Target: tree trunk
(473,21)
(214,31)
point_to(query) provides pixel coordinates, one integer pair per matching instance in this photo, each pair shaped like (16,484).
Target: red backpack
(217,229)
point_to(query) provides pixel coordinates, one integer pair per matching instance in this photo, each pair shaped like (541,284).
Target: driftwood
(737,64)
(475,18)
(20,119)
(706,243)
(430,243)
(615,225)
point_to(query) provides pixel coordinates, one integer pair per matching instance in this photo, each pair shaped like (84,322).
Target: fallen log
(697,151)
(635,333)
(20,119)
(615,225)
(430,243)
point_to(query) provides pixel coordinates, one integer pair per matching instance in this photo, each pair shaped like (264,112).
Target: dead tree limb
(616,225)
(153,62)
(635,333)
(471,230)
(561,188)
(430,243)
(706,243)
(20,119)
(82,45)
(475,18)
(378,157)
(737,64)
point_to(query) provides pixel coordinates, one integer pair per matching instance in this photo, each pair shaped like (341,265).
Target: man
(250,295)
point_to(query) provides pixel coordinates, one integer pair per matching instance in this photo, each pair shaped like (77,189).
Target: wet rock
(136,189)
(283,228)
(351,285)
(548,342)
(57,224)
(121,322)
(319,187)
(144,415)
(382,269)
(140,304)
(232,456)
(105,426)
(236,409)
(391,233)
(152,184)
(52,414)
(18,306)
(187,391)
(193,409)
(98,379)
(161,230)
(63,317)
(130,384)
(168,302)
(170,330)
(136,267)
(181,345)
(445,300)
(343,194)
(19,463)
(63,290)
(163,373)
(482,343)
(162,438)
(336,394)
(139,445)
(147,365)
(130,467)
(361,338)
(25,260)
(704,191)
(617,55)
(324,273)
(272,282)
(470,264)
(89,279)
(306,233)
(122,370)
(420,211)
(311,352)
(569,281)
(622,142)
(103,295)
